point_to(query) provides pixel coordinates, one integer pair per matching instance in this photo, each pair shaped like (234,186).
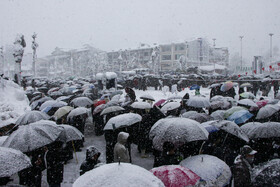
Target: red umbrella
(176,176)
(158,103)
(99,103)
(261,103)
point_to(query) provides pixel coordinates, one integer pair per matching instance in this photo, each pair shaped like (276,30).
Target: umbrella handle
(75,152)
(200,150)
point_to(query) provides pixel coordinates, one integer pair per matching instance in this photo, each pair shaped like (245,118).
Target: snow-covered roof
(212,67)
(111,75)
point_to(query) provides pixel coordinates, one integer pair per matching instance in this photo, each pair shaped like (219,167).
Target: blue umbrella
(240,116)
(195,87)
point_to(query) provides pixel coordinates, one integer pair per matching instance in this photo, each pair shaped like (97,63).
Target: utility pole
(2,64)
(34,47)
(241,63)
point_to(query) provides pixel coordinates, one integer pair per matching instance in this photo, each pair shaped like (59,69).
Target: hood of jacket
(122,137)
(91,151)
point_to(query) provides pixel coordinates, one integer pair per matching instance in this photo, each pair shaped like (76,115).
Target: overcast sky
(121,24)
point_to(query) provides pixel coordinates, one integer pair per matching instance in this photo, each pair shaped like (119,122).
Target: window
(166,57)
(179,47)
(177,56)
(166,48)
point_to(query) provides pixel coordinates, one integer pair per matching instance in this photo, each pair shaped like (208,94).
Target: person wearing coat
(121,153)
(55,164)
(242,167)
(168,155)
(91,161)
(130,92)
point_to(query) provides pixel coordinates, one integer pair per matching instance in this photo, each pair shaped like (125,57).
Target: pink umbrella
(158,103)
(226,86)
(176,176)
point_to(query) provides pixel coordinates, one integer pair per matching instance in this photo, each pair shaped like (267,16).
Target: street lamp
(214,57)
(270,34)
(241,37)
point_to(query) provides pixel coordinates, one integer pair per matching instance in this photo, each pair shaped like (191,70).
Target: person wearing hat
(91,161)
(242,166)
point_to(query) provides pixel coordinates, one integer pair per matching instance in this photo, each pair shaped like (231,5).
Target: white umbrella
(32,136)
(141,105)
(69,133)
(170,106)
(122,120)
(62,111)
(31,117)
(52,103)
(220,104)
(147,97)
(115,174)
(112,109)
(217,98)
(218,114)
(38,102)
(81,102)
(76,112)
(189,114)
(267,111)
(256,130)
(12,161)
(211,169)
(198,102)
(247,102)
(201,117)
(176,130)
(231,128)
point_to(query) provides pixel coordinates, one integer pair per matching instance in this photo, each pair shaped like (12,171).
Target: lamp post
(214,57)
(34,47)
(241,63)
(270,34)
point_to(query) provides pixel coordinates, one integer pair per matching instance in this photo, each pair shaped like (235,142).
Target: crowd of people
(236,153)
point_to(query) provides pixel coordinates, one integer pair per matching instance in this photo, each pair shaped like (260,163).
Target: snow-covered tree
(19,46)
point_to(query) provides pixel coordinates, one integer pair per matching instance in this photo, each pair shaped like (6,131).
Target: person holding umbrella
(91,161)
(242,166)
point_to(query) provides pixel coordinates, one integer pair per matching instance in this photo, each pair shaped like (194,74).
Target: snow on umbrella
(147,97)
(64,98)
(52,104)
(81,102)
(141,105)
(177,131)
(267,111)
(256,130)
(170,106)
(262,103)
(12,161)
(218,115)
(240,116)
(32,136)
(247,95)
(99,108)
(217,98)
(209,127)
(39,102)
(226,86)
(174,97)
(247,102)
(62,111)
(160,102)
(195,87)
(198,102)
(77,111)
(220,104)
(231,128)
(247,84)
(69,133)
(211,169)
(122,120)
(230,111)
(53,90)
(99,103)
(201,117)
(175,175)
(266,174)
(112,109)
(31,117)
(189,114)
(115,174)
